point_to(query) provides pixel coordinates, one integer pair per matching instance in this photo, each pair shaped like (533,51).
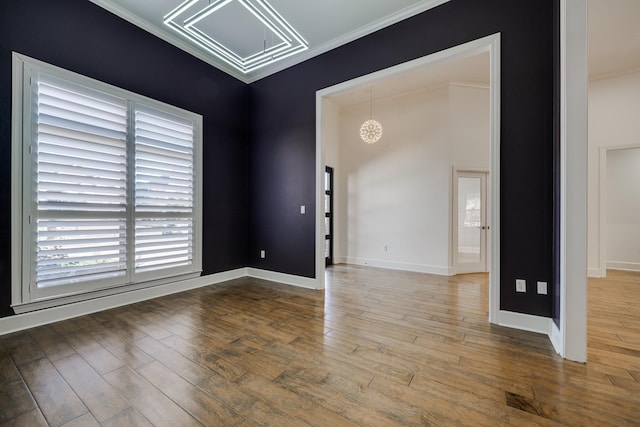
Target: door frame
(485,246)
(569,335)
(602,201)
(329,234)
(490,44)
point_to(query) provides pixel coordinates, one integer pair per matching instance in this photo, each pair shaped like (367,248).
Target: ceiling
(315,27)
(241,37)
(473,70)
(614,49)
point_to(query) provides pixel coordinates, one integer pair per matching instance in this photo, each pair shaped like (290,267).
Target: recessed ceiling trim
(292,41)
(391,19)
(173,38)
(198,16)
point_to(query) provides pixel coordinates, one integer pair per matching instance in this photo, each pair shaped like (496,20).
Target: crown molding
(613,75)
(473,85)
(420,89)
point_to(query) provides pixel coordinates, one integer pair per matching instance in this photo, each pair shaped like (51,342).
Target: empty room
(326,213)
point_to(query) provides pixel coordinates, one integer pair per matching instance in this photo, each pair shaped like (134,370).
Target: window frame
(24,294)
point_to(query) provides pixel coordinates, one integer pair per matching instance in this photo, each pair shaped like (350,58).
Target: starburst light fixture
(371,130)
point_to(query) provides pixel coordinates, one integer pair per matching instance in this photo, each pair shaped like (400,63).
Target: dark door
(328,215)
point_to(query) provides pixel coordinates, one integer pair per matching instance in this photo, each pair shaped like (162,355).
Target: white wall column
(572,340)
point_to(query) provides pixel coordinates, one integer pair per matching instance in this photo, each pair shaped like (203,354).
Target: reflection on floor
(378,347)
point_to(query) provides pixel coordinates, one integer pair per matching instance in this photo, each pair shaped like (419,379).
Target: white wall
(614,121)
(469,139)
(469,116)
(623,209)
(393,198)
(331,132)
(330,144)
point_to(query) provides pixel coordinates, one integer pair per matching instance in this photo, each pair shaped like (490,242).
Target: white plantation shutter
(106,197)
(74,250)
(164,190)
(80,164)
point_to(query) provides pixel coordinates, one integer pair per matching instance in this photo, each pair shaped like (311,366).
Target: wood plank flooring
(377,348)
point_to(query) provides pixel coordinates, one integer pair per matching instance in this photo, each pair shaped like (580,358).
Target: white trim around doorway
(569,338)
(489,44)
(456,172)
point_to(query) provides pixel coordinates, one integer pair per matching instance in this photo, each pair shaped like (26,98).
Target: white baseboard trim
(556,339)
(32,319)
(393,265)
(596,272)
(525,322)
(621,265)
(287,279)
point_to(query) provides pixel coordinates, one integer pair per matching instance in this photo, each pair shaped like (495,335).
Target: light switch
(521,285)
(303,209)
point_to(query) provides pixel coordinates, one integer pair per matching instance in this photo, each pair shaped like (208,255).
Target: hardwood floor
(378,348)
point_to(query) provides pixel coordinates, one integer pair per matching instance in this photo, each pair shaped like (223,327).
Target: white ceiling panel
(233,26)
(247,35)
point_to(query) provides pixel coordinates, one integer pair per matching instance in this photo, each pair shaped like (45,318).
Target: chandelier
(371,130)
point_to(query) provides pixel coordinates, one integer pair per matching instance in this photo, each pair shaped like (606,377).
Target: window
(106,189)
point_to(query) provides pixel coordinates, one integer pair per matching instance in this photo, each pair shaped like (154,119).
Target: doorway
(471,229)
(489,44)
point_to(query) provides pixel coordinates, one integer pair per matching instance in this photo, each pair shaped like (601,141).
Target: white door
(471,227)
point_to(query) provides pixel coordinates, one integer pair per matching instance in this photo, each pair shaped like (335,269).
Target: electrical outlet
(521,285)
(263,254)
(542,288)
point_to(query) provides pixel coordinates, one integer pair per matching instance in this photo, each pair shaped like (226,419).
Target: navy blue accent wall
(84,38)
(282,135)
(259,140)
